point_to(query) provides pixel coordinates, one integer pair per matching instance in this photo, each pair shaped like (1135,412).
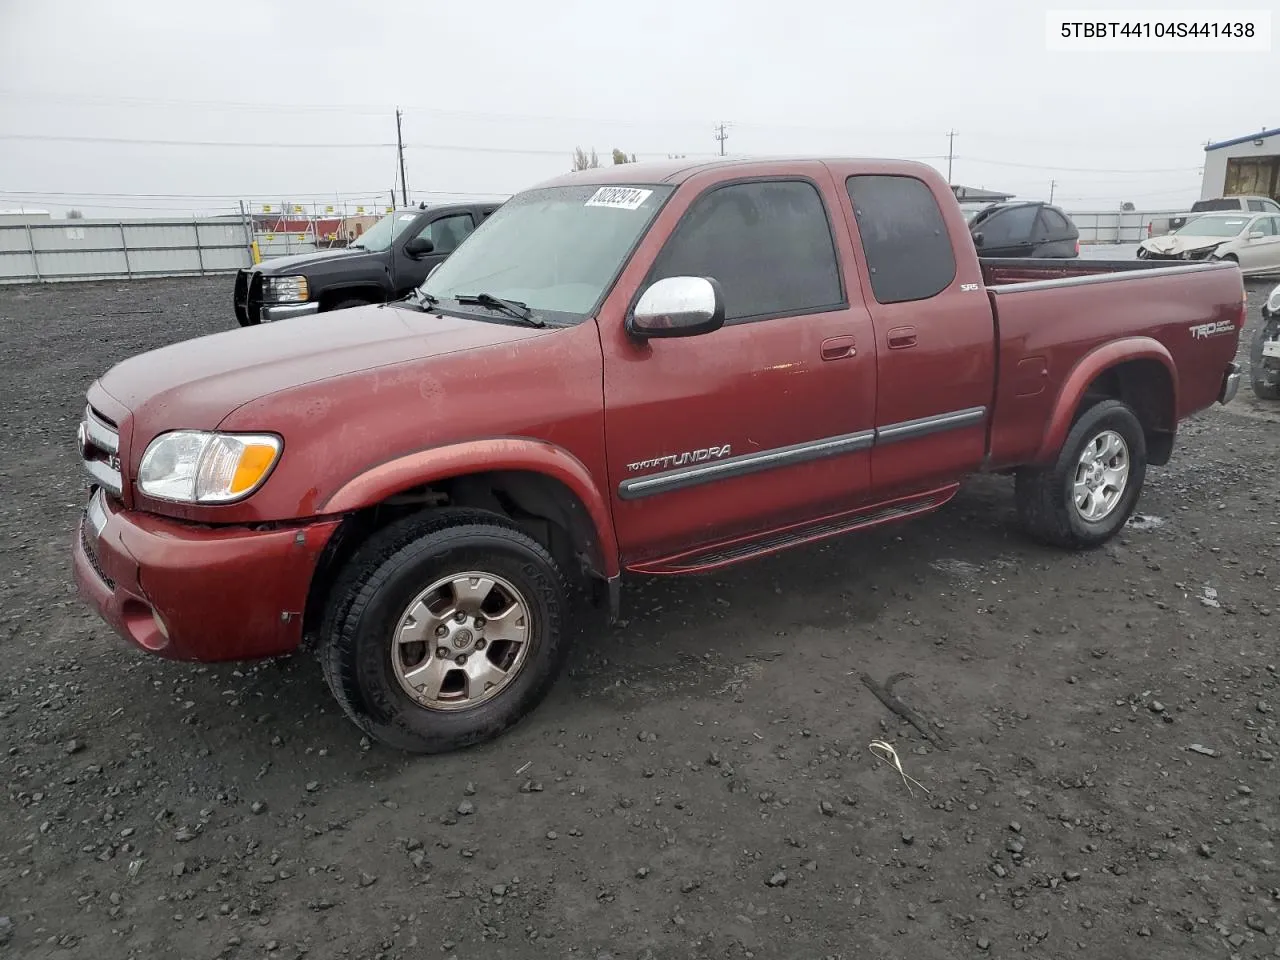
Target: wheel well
(1145,385)
(369,294)
(540,505)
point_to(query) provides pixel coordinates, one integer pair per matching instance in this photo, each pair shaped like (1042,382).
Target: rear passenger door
(1054,235)
(935,337)
(765,422)
(1007,233)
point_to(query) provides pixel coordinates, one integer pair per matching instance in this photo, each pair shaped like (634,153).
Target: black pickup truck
(389,260)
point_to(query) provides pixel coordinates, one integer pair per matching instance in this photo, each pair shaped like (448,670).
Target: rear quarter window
(904,237)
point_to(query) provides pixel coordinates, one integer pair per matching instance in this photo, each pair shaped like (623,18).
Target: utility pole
(404,187)
(951,152)
(1052,184)
(722,137)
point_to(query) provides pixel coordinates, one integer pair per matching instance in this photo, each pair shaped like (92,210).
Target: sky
(276,101)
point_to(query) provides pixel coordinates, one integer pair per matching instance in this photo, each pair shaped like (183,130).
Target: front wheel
(444,630)
(1090,491)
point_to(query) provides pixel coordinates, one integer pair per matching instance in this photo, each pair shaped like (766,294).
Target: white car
(1250,239)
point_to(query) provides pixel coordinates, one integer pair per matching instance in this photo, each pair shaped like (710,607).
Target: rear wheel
(1088,494)
(444,630)
(1264,372)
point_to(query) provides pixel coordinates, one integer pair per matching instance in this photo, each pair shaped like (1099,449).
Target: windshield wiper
(421,299)
(512,308)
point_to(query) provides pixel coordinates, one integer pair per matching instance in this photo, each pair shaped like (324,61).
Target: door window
(1008,228)
(446,233)
(1052,226)
(904,237)
(768,244)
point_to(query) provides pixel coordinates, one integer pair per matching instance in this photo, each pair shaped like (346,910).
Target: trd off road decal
(1202,331)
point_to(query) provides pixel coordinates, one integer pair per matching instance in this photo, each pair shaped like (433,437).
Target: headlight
(285,289)
(1273,302)
(190,466)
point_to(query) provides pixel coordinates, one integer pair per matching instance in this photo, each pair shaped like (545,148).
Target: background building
(1243,165)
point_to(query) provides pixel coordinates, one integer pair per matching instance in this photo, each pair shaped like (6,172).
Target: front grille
(92,554)
(99,444)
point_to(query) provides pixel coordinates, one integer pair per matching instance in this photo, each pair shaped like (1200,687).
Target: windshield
(378,237)
(556,249)
(1209,226)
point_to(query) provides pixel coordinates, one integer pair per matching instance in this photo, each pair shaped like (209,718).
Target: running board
(737,550)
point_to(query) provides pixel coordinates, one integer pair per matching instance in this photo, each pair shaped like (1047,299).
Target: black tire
(376,587)
(1045,495)
(1264,374)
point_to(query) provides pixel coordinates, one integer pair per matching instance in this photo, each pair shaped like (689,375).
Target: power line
(383,109)
(244,144)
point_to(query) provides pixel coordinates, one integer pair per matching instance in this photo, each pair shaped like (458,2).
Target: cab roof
(680,170)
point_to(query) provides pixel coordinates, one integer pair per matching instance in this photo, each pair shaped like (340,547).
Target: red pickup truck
(651,369)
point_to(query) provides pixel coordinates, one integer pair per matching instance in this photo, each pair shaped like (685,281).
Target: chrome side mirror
(678,307)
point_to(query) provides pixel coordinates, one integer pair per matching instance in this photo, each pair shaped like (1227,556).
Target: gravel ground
(1100,776)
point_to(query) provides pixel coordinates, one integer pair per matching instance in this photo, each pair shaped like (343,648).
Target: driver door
(445,231)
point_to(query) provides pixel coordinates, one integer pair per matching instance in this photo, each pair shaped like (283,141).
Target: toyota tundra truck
(639,370)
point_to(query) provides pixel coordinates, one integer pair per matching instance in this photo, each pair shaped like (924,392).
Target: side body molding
(483,456)
(1089,367)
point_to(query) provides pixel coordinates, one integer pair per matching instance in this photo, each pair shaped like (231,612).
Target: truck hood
(299,262)
(196,384)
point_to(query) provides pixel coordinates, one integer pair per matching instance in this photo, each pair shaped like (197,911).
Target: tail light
(1148,230)
(1077,248)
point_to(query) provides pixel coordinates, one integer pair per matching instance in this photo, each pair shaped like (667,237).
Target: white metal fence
(1116,226)
(57,250)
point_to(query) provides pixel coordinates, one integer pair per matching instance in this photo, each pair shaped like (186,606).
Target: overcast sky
(497,93)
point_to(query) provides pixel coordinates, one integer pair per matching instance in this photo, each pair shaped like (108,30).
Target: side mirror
(678,307)
(978,239)
(419,247)
(1256,235)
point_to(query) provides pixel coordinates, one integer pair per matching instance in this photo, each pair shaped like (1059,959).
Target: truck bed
(1050,314)
(1002,271)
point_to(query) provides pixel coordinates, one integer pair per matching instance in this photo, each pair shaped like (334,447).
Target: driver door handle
(902,337)
(838,348)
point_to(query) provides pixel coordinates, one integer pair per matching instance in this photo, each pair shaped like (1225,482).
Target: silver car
(1250,239)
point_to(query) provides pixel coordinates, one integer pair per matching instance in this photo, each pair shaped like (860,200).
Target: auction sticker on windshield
(621,198)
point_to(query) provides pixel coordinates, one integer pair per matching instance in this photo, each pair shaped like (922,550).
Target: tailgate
(1046,328)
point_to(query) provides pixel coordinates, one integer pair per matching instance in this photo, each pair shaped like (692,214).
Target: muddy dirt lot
(700,785)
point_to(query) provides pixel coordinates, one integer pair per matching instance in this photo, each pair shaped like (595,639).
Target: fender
(497,453)
(1089,367)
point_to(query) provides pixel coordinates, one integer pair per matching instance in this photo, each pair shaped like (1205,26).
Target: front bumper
(193,592)
(1230,383)
(1185,256)
(283,311)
